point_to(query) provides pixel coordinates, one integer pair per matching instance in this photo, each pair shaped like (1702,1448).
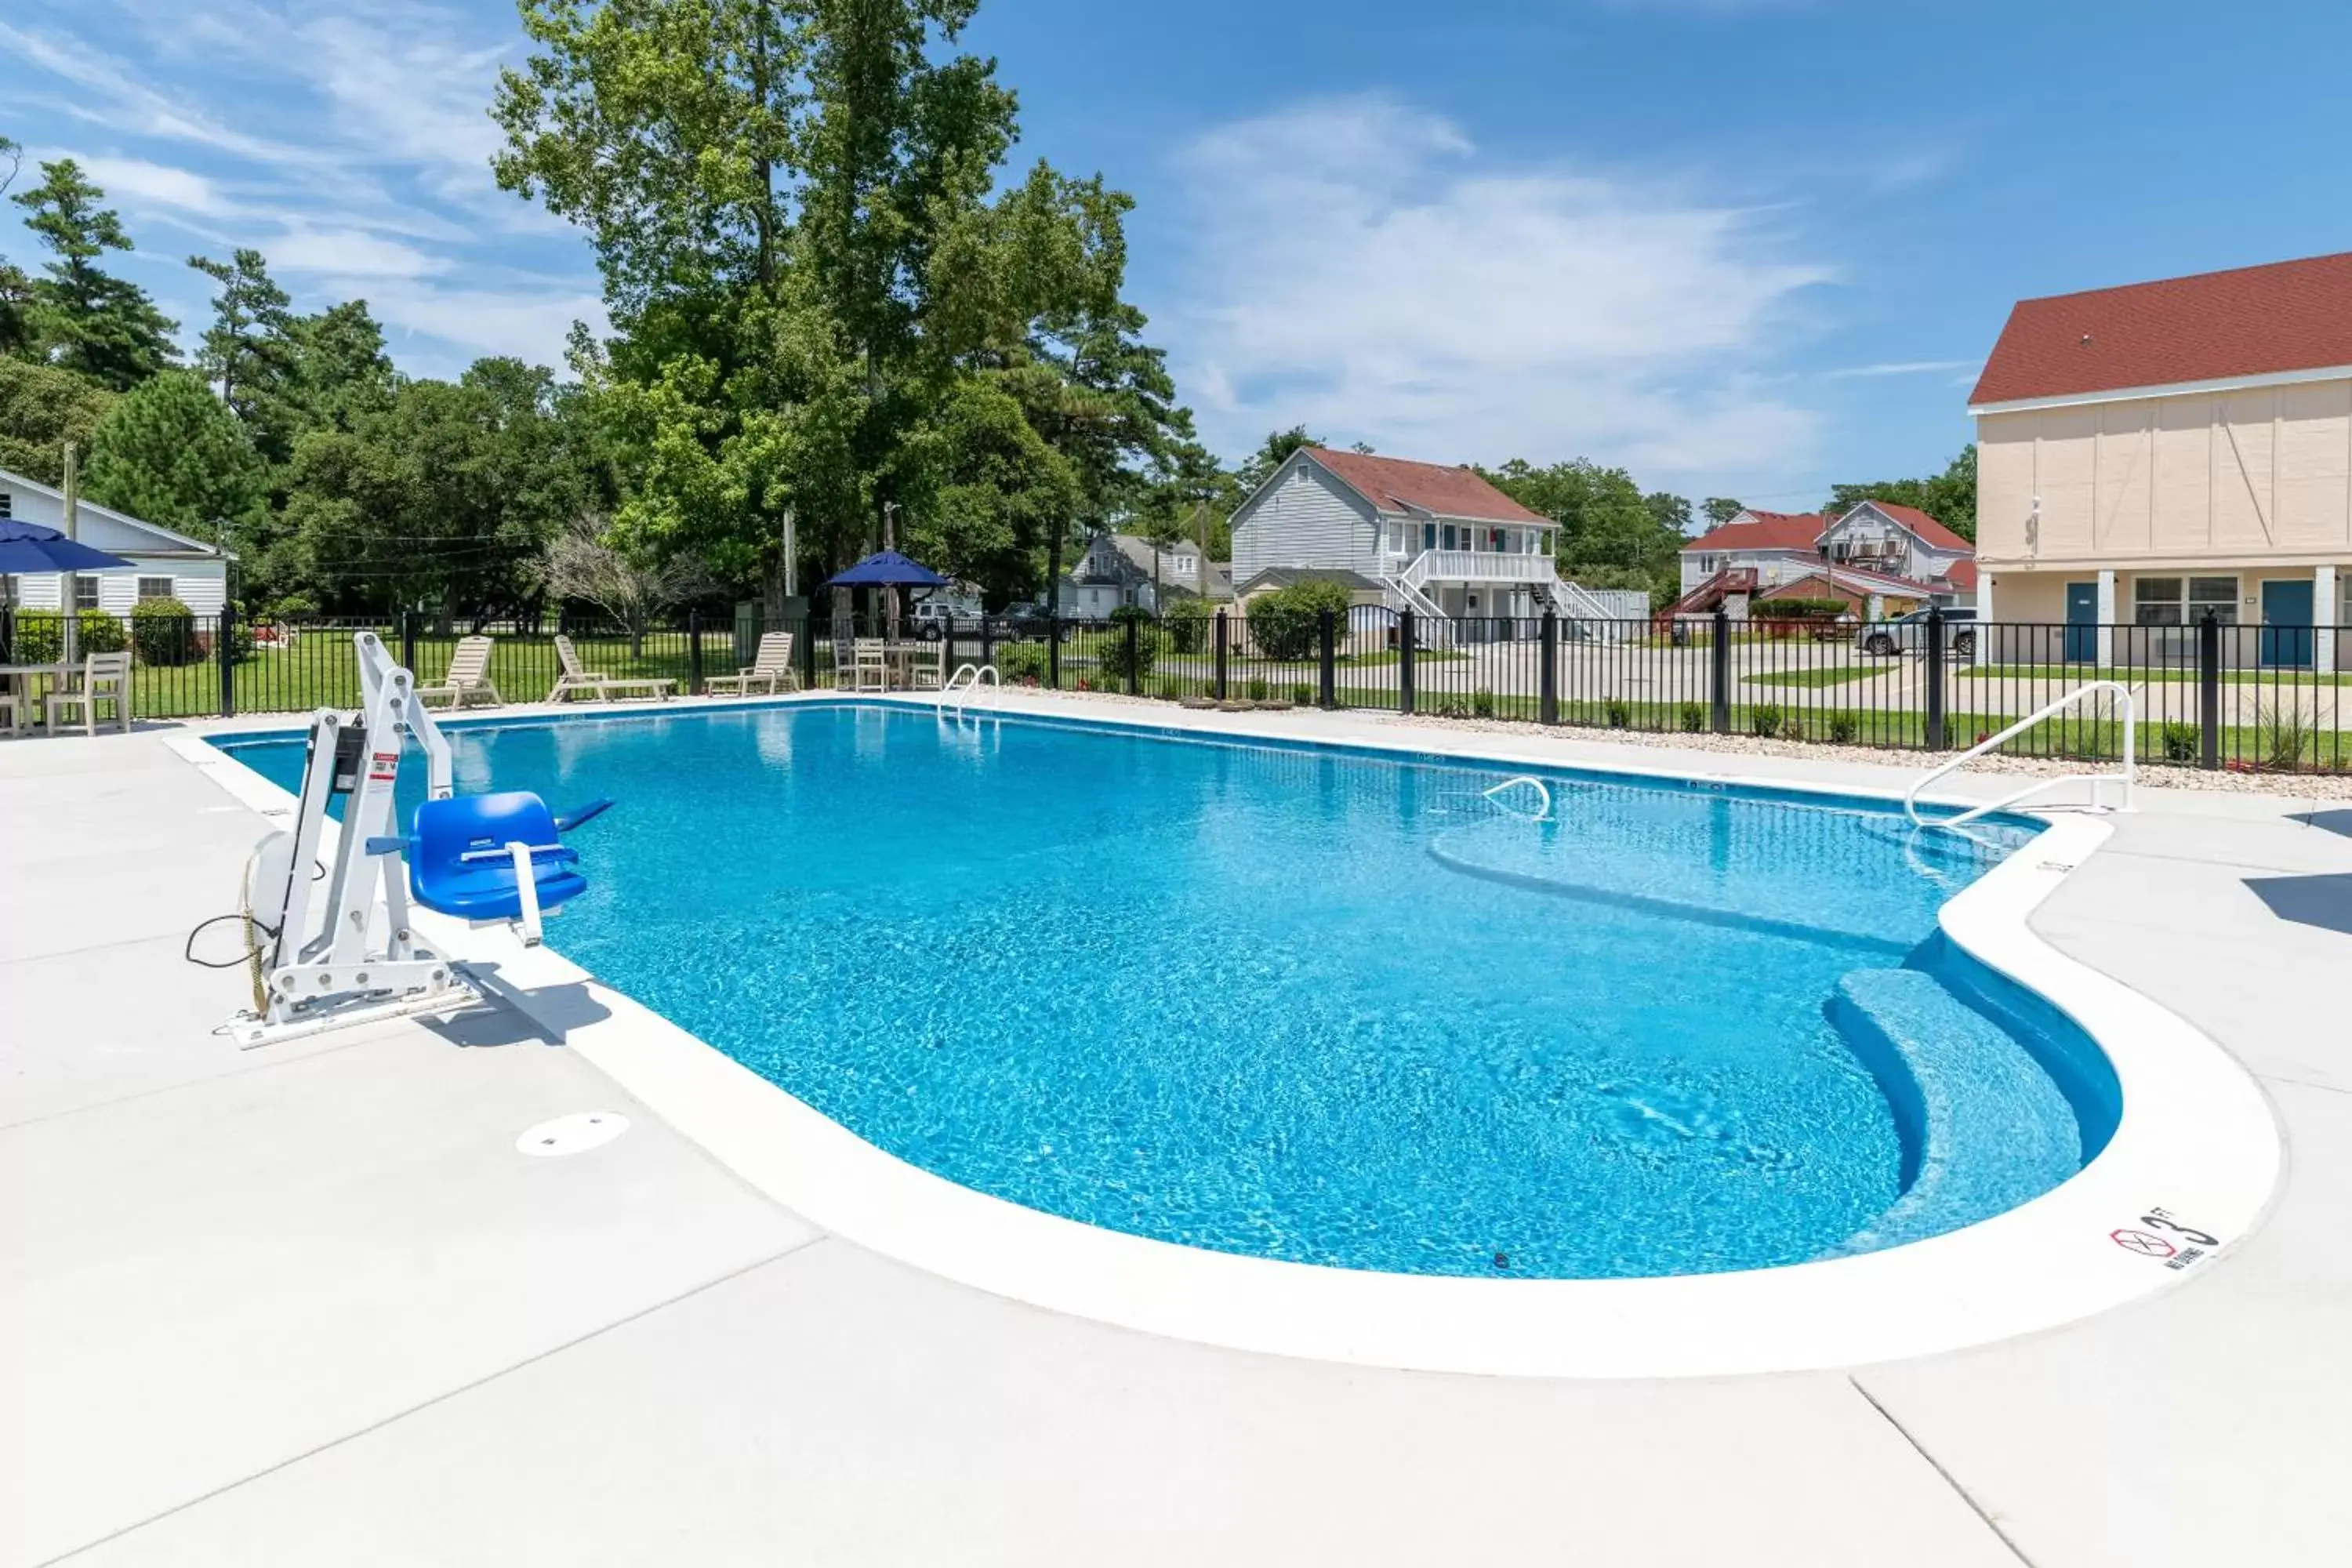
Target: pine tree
(249,353)
(79,316)
(170,452)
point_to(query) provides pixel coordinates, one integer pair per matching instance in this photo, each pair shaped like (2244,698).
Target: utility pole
(792,557)
(73,490)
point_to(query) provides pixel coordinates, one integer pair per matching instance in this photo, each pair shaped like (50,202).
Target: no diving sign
(2164,1239)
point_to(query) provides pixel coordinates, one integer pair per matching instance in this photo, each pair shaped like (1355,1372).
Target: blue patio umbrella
(29,547)
(887,569)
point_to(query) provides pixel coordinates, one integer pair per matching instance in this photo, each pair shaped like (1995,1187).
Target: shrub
(1691,717)
(1021,661)
(164,631)
(1258,688)
(1302,696)
(2280,738)
(1619,713)
(1287,622)
(2182,741)
(1451,708)
(1167,689)
(1764,721)
(40,636)
(1482,704)
(1112,653)
(1844,729)
(1187,623)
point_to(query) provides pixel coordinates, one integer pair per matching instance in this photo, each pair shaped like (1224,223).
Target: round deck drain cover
(573,1134)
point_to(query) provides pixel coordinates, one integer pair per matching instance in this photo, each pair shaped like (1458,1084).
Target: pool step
(1984,1126)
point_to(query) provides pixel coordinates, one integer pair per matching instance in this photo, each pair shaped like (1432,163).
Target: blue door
(2081,621)
(2286,624)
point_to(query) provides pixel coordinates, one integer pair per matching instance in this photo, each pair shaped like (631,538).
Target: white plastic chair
(104,677)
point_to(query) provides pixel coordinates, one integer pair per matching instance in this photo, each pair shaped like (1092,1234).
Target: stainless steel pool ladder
(961,686)
(2043,714)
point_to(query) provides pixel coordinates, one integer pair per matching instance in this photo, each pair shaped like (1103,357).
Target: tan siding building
(2150,454)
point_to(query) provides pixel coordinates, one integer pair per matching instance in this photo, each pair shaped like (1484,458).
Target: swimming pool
(1315,1006)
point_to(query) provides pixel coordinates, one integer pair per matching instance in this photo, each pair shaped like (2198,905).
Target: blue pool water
(1327,1007)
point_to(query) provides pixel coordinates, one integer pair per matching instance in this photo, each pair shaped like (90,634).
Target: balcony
(1478,566)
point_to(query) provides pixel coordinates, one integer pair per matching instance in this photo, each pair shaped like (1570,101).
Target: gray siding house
(1441,541)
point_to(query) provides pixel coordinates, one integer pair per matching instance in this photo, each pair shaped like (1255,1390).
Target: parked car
(1908,634)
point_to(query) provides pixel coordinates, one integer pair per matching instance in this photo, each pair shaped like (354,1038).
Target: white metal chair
(577,679)
(770,667)
(870,666)
(103,677)
(469,676)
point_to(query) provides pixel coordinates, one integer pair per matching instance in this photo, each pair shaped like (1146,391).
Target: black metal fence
(2267,699)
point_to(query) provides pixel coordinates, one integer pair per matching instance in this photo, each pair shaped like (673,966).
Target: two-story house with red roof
(1881,558)
(1441,541)
(2152,454)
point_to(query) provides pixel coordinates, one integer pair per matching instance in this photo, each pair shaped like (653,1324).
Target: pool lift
(354,956)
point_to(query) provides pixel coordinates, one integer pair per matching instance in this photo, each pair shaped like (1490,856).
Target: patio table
(19,678)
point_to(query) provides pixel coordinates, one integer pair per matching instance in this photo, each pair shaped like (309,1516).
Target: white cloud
(137,180)
(528,323)
(1360,267)
(351,254)
(1900,367)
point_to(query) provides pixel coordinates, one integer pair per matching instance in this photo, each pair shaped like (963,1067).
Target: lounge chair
(870,665)
(12,710)
(103,677)
(771,668)
(469,677)
(574,679)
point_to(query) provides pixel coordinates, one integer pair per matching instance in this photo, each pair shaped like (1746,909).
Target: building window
(85,593)
(5,505)
(155,588)
(2184,601)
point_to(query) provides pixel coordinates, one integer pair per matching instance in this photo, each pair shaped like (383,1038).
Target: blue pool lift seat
(461,858)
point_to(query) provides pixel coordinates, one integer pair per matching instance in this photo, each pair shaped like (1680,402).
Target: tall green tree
(806,261)
(250,354)
(1720,510)
(170,452)
(78,315)
(43,407)
(1950,497)
(1271,454)
(448,495)
(16,288)
(1610,535)
(342,373)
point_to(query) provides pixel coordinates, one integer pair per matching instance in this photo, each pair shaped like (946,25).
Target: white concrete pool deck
(309,1305)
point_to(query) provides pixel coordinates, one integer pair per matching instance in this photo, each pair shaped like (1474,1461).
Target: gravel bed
(2295,786)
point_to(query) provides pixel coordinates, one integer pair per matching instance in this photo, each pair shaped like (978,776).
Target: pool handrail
(2048,710)
(961,691)
(1529,782)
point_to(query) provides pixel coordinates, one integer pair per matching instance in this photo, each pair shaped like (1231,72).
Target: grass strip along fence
(2260,699)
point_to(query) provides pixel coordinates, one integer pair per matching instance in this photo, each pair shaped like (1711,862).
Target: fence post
(2209,693)
(1223,635)
(1134,656)
(1547,686)
(225,652)
(807,645)
(1053,646)
(408,641)
(1328,625)
(1404,661)
(988,647)
(1718,674)
(1934,678)
(694,652)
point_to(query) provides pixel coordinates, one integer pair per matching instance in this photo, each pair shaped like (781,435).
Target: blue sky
(1744,246)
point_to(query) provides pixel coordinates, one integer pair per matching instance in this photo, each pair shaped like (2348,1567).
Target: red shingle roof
(1396,484)
(1763,530)
(1962,574)
(1925,527)
(2254,320)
